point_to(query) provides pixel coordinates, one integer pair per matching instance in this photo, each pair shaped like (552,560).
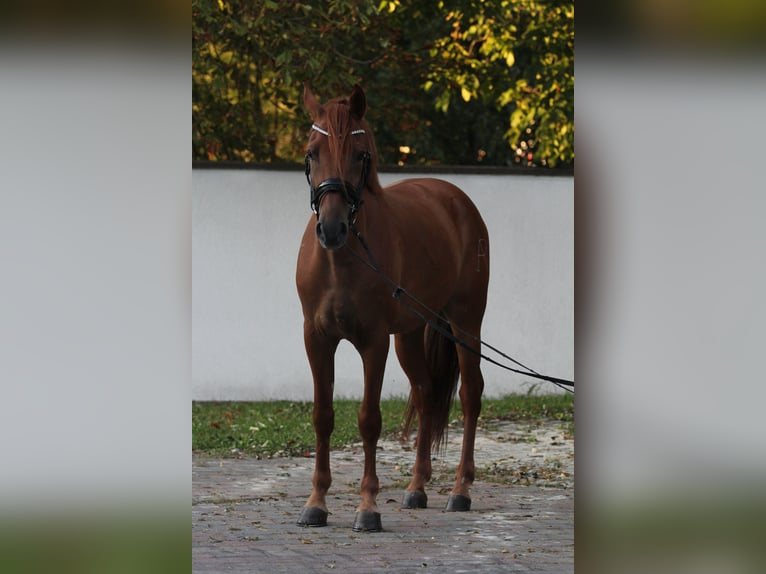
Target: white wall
(247,338)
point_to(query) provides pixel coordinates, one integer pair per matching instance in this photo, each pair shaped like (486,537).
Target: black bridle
(353,194)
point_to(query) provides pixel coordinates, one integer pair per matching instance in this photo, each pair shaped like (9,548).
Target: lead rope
(397,293)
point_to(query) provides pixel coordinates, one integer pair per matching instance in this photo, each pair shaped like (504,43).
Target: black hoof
(415,499)
(313,516)
(367,522)
(458,503)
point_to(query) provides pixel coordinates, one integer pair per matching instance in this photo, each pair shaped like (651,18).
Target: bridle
(352,194)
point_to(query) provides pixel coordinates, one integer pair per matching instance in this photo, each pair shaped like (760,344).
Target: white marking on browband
(320,130)
(326,133)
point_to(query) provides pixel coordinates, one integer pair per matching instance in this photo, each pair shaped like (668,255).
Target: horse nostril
(332,234)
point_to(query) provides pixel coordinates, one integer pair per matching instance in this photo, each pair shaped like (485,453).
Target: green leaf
(442,102)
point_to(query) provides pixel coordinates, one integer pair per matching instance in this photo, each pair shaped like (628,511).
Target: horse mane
(339,125)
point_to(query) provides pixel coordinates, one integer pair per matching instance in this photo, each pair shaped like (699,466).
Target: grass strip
(285,428)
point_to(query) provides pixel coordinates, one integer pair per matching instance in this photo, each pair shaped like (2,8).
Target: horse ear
(312,105)
(358,102)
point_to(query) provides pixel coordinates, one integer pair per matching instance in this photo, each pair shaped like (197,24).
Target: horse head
(340,163)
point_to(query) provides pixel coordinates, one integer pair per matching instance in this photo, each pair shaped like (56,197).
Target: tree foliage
(456,82)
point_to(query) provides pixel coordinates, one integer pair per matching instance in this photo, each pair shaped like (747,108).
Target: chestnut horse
(423,234)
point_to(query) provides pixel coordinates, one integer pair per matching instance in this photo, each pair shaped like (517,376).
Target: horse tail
(441,356)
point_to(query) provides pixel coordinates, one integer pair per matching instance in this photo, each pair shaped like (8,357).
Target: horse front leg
(374,356)
(321,355)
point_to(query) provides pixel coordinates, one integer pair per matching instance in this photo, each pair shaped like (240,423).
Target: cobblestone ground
(244,511)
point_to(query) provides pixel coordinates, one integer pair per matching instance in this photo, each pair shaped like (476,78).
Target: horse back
(439,227)
(434,206)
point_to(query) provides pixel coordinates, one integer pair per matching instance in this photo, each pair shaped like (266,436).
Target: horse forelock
(338,120)
(338,116)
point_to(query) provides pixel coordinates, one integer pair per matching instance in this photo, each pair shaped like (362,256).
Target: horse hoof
(367,521)
(458,503)
(415,499)
(313,516)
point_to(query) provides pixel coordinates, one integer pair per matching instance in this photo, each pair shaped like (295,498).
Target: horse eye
(313,155)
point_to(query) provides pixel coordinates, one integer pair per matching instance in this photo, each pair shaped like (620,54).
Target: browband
(326,133)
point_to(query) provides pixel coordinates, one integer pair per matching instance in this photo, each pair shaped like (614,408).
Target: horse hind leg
(412,358)
(471,388)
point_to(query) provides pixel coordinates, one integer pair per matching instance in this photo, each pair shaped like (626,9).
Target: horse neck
(373,204)
(373,182)
(373,224)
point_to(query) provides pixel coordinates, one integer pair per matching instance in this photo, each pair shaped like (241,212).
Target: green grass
(528,407)
(285,428)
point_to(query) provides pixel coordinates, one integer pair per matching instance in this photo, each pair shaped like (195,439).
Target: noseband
(352,194)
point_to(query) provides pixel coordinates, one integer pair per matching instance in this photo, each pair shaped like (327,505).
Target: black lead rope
(434,324)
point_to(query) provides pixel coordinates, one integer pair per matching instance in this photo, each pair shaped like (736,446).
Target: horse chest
(339,316)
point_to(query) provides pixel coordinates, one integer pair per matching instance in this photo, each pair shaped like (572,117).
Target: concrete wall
(247,341)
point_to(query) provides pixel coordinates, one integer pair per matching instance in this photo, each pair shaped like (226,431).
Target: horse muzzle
(334,220)
(332,234)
